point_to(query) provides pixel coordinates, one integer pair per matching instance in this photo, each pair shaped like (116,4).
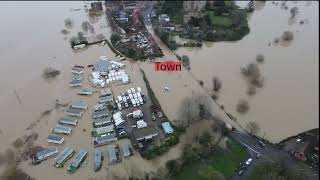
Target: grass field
(223,161)
(219,20)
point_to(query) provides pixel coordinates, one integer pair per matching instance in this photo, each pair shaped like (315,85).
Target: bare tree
(68,23)
(253,127)
(260,58)
(294,11)
(243,106)
(287,36)
(217,84)
(86,26)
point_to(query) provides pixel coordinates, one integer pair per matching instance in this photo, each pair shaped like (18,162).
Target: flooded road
(288,103)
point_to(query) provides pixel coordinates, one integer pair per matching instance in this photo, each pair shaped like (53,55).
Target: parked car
(261,143)
(240,172)
(248,162)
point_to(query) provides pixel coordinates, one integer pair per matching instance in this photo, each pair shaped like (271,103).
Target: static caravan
(55,139)
(99,141)
(97,160)
(79,105)
(73,112)
(44,154)
(126,149)
(76,162)
(99,122)
(63,157)
(68,121)
(59,129)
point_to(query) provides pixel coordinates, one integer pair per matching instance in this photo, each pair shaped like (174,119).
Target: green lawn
(225,162)
(219,20)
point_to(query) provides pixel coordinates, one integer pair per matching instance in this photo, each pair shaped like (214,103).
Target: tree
(205,139)
(186,61)
(253,127)
(287,36)
(294,11)
(68,23)
(260,58)
(243,106)
(173,166)
(86,26)
(216,83)
(115,38)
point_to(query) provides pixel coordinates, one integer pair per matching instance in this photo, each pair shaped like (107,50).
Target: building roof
(54,137)
(63,155)
(102,65)
(67,120)
(126,149)
(145,133)
(112,153)
(167,127)
(97,157)
(79,104)
(79,157)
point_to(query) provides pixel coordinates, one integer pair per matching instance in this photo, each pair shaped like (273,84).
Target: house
(99,141)
(193,5)
(79,105)
(167,127)
(44,154)
(121,16)
(129,5)
(68,121)
(55,139)
(73,112)
(76,162)
(96,6)
(164,18)
(63,157)
(59,129)
(97,160)
(145,134)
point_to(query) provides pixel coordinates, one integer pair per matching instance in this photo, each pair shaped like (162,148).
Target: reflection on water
(290,94)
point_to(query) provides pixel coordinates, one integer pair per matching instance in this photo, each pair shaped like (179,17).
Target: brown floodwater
(32,40)
(289,101)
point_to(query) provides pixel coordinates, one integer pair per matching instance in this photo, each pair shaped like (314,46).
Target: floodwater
(289,101)
(31,41)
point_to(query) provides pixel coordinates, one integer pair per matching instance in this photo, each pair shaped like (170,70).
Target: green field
(225,162)
(219,20)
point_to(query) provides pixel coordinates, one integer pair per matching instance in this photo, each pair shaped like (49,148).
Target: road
(268,153)
(147,9)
